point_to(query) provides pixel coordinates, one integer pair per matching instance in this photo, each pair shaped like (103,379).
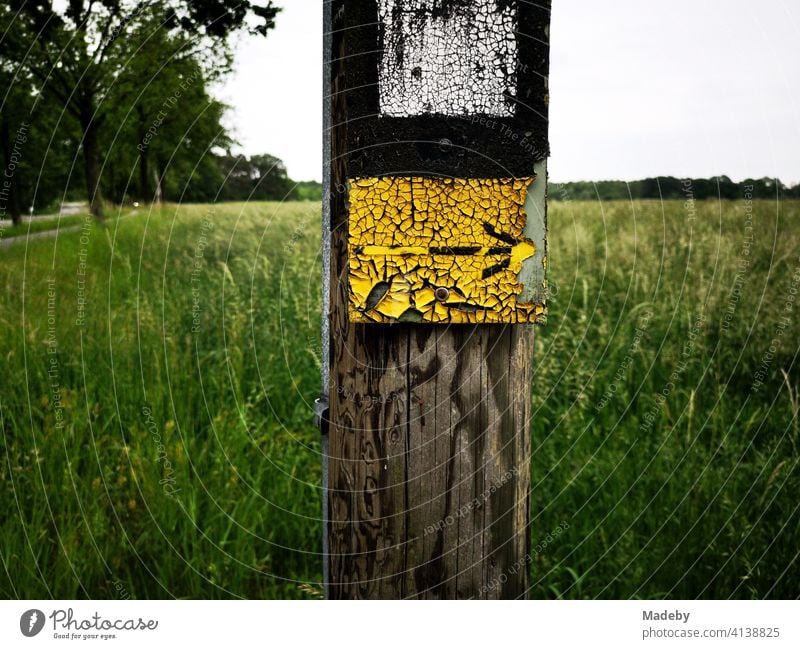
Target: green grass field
(158,374)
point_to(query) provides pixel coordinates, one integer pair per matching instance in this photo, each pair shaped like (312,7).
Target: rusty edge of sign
(533,275)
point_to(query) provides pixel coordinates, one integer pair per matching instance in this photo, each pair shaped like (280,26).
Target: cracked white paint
(459,59)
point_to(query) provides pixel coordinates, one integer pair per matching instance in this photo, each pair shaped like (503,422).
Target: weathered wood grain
(428,449)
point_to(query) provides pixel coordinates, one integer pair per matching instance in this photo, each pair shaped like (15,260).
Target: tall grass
(158,374)
(674,467)
(185,463)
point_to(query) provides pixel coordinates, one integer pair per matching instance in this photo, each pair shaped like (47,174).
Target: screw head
(442,293)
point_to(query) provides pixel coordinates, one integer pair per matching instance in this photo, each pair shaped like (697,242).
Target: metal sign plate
(446,150)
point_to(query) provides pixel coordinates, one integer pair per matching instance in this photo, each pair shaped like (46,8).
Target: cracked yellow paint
(438,250)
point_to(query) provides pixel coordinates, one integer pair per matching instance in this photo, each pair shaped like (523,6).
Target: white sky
(638,88)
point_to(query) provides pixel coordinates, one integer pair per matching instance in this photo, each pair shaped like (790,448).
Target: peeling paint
(409,236)
(534,271)
(449,58)
(454,88)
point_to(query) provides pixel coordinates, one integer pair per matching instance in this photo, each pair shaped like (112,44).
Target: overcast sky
(638,88)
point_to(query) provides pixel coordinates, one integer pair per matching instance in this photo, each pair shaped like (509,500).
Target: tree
(164,123)
(12,124)
(78,53)
(262,177)
(33,137)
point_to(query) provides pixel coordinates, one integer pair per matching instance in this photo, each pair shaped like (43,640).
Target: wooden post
(428,449)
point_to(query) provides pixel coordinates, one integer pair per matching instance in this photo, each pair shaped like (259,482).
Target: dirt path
(44,234)
(67,209)
(7,242)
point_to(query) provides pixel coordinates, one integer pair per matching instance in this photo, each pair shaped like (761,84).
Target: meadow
(158,373)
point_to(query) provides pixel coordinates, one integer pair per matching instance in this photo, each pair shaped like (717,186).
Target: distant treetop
(669,187)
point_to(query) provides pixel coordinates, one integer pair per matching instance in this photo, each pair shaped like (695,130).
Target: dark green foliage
(38,149)
(261,177)
(89,56)
(669,188)
(154,132)
(307,190)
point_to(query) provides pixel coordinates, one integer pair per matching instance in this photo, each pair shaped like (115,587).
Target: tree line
(669,188)
(109,100)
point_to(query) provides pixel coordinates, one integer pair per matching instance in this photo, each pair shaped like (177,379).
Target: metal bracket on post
(322,422)
(321,414)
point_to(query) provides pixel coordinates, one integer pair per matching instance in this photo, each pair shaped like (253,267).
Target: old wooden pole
(428,452)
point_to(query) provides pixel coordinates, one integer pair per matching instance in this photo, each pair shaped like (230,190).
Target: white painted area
(275,94)
(682,88)
(462,62)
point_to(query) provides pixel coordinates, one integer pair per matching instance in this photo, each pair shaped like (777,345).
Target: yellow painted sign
(431,249)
